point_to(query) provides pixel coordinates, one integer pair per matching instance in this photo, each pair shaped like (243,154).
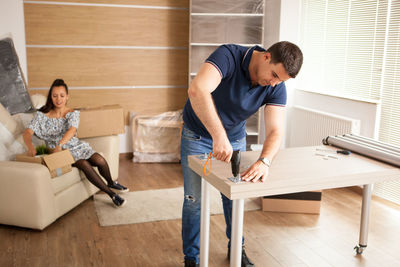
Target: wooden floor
(272,239)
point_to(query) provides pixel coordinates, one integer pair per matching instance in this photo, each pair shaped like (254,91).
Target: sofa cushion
(38,100)
(9,146)
(23,120)
(7,120)
(64,181)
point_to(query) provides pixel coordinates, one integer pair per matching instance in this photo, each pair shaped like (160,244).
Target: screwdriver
(343,152)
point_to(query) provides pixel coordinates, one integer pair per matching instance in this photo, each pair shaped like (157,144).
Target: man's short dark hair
(289,55)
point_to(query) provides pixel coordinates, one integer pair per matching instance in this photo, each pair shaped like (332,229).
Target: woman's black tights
(98,161)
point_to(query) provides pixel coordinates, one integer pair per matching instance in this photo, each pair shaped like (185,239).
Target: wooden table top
(296,170)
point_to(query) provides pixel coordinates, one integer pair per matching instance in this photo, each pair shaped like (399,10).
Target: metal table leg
(205,223)
(366,203)
(237,232)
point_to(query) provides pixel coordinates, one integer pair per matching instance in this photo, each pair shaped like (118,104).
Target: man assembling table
(232,84)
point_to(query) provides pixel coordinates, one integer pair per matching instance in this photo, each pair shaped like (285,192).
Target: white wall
(287,30)
(12,21)
(125,141)
(271,22)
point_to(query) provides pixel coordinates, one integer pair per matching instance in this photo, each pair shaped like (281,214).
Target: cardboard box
(303,202)
(57,163)
(101,121)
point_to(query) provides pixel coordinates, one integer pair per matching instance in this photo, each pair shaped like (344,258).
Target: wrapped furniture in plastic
(13,91)
(157,138)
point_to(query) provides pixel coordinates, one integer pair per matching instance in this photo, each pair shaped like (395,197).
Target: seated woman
(57,124)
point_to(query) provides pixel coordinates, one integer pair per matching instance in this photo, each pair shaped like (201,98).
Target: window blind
(390,111)
(343,46)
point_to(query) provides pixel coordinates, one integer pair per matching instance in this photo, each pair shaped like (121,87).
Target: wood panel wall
(128,52)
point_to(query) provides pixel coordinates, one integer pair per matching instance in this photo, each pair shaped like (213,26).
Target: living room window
(352,49)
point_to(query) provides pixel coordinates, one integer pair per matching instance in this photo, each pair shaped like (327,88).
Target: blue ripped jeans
(194,144)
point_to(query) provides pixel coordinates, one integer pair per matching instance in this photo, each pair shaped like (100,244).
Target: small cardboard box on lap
(101,121)
(58,163)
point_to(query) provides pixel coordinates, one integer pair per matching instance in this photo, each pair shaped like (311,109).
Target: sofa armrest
(109,146)
(26,195)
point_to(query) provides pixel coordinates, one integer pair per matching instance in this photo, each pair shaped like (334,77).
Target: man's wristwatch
(266,161)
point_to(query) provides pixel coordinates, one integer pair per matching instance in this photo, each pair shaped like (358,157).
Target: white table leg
(237,232)
(366,203)
(205,223)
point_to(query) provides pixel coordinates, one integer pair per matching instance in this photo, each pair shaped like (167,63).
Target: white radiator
(309,126)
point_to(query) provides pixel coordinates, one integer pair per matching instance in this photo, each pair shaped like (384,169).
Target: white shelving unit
(213,23)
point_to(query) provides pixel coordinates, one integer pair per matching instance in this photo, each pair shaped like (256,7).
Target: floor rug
(154,205)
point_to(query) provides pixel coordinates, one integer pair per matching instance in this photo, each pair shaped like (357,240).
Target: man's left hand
(257,171)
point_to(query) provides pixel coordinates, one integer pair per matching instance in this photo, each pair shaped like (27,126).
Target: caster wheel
(359,249)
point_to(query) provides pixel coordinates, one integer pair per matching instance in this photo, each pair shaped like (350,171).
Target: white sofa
(30,198)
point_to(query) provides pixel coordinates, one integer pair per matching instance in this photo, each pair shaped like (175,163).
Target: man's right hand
(222,149)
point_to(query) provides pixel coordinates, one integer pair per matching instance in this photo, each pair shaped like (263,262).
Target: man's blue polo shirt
(235,99)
